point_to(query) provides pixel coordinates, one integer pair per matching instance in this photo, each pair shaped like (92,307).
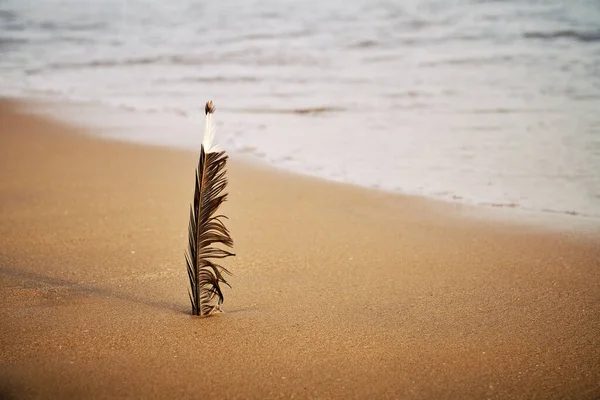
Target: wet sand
(338,291)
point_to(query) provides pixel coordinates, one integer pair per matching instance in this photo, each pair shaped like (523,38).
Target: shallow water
(485,102)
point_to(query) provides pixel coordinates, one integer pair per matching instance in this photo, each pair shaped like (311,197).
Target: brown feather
(207,230)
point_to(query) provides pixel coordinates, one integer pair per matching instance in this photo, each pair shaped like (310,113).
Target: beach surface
(338,291)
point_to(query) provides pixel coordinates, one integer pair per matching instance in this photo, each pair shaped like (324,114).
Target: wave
(315,110)
(12,41)
(580,36)
(267,35)
(514,205)
(71,26)
(364,44)
(185,60)
(502,110)
(220,79)
(6,15)
(482,60)
(300,111)
(119,63)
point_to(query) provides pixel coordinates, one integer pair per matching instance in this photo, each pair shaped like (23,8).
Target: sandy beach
(338,291)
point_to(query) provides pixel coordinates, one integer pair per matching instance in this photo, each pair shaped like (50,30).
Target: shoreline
(338,291)
(70,113)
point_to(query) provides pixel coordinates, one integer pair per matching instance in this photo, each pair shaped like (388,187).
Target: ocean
(494,103)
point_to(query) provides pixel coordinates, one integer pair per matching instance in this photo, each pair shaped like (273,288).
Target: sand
(338,291)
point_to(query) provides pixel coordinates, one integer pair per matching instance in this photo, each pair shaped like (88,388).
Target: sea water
(487,102)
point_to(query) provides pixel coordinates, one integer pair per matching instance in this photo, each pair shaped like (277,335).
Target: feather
(206,228)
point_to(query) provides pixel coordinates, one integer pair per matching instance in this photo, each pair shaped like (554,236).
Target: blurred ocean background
(486,102)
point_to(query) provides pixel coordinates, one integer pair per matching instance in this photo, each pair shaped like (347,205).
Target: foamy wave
(7,42)
(308,110)
(127,62)
(474,109)
(581,36)
(220,79)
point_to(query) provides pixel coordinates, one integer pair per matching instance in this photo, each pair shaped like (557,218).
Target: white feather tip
(209,130)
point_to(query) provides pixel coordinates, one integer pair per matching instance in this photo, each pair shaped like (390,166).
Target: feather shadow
(53,282)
